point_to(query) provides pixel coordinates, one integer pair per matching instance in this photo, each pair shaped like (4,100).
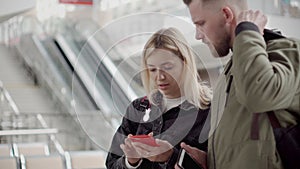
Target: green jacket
(264,76)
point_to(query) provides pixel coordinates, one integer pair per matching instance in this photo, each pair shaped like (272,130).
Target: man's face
(211,27)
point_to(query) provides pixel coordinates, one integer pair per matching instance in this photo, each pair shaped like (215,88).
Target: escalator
(95,74)
(98,81)
(84,82)
(47,64)
(66,75)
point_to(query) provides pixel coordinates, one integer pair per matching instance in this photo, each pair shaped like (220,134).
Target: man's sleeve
(264,80)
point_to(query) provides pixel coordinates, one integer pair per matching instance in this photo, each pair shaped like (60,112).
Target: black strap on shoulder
(272,34)
(273,120)
(254,134)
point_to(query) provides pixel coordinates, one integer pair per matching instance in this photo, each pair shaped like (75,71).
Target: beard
(221,48)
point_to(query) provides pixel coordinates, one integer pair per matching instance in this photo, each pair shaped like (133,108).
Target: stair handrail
(9,99)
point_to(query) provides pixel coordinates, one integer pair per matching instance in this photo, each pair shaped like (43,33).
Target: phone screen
(145,139)
(185,161)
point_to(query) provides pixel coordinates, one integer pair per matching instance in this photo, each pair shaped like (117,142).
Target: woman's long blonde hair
(173,40)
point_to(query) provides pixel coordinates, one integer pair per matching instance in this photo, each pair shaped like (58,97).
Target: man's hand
(256,17)
(198,155)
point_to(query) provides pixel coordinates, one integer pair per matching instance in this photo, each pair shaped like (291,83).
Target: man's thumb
(186,147)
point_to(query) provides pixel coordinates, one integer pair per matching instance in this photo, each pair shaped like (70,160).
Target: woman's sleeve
(115,158)
(173,159)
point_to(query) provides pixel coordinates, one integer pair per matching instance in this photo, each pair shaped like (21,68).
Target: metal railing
(5,98)
(15,115)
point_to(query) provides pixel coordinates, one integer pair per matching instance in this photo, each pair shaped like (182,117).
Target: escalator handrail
(80,70)
(123,84)
(9,99)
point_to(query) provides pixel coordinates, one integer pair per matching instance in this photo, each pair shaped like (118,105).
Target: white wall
(256,4)
(288,26)
(9,7)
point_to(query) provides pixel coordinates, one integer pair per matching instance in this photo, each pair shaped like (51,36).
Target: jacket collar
(187,106)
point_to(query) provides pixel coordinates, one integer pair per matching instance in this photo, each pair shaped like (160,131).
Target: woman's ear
(228,14)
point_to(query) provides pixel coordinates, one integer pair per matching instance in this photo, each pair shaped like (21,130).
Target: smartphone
(145,139)
(185,161)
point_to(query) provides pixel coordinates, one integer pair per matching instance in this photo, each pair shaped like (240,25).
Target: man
(262,75)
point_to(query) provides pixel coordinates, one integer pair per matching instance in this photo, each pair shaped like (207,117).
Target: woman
(174,110)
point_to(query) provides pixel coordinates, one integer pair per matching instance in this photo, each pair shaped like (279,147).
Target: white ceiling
(10,8)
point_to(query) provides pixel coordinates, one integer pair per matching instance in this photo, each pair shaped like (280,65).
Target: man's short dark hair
(187,2)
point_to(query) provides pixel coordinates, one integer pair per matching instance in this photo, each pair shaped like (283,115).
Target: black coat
(179,124)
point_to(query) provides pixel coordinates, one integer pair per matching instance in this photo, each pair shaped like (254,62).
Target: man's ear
(228,14)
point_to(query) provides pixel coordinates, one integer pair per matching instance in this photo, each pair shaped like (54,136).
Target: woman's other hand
(130,152)
(160,153)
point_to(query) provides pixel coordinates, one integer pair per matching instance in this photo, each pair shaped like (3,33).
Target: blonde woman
(174,110)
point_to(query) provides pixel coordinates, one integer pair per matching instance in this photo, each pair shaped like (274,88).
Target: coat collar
(187,106)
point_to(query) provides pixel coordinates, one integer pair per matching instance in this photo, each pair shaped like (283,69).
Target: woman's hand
(130,152)
(160,153)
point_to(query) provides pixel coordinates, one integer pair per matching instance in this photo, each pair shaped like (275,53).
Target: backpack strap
(273,120)
(272,34)
(254,134)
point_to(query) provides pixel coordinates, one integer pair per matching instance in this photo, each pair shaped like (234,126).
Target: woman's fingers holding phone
(142,149)
(163,146)
(128,149)
(159,153)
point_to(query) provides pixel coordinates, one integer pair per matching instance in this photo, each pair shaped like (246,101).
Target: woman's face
(165,69)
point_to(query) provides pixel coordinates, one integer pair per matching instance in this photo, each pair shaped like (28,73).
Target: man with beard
(262,75)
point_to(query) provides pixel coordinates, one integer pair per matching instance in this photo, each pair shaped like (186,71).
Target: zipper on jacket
(213,139)
(213,150)
(228,89)
(213,136)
